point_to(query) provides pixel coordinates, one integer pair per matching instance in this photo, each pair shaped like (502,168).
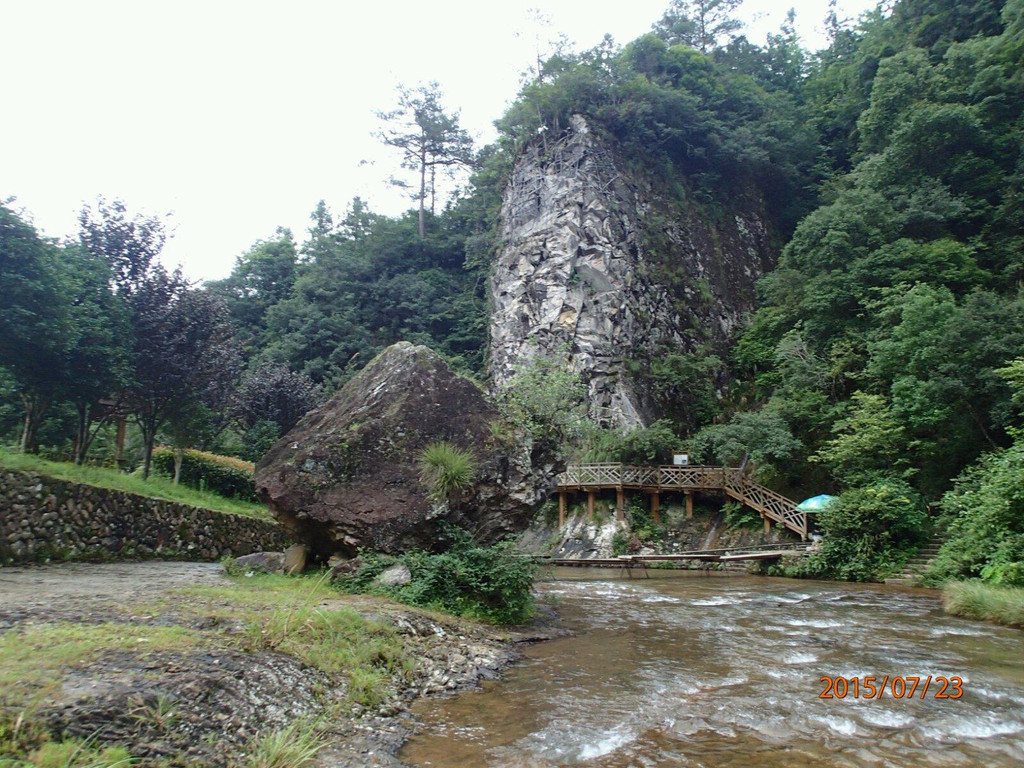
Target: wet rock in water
(395,576)
(261,562)
(348,476)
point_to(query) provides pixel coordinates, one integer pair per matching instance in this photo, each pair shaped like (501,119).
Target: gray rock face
(347,476)
(594,270)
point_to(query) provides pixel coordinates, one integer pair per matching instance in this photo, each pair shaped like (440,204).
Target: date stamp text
(895,687)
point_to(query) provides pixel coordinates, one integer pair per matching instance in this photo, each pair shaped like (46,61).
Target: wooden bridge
(591,478)
(707,558)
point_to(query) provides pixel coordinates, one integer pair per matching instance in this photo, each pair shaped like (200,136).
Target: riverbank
(984,602)
(181,665)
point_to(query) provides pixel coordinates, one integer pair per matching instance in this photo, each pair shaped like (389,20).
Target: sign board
(681,459)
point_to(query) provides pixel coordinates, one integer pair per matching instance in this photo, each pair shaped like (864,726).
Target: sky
(235,118)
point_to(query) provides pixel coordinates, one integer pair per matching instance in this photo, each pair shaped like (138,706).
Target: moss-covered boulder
(348,475)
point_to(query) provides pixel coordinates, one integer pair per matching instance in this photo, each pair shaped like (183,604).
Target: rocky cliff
(597,268)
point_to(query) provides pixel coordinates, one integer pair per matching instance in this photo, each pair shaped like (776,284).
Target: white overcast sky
(237,117)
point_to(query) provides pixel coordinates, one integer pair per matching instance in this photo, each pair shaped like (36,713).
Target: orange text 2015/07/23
(895,687)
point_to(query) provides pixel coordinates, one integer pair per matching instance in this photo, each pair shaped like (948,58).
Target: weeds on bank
(368,655)
(26,744)
(161,713)
(293,747)
(976,600)
(492,584)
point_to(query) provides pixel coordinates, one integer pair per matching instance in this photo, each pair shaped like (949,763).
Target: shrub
(492,584)
(762,436)
(644,445)
(545,400)
(223,475)
(868,532)
(446,470)
(641,523)
(985,517)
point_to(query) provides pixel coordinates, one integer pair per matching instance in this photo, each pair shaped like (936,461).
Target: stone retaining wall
(42,519)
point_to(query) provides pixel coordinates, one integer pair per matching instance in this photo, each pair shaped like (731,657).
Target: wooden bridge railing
(769,504)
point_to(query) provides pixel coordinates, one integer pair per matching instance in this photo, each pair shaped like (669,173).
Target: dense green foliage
(986,521)
(223,475)
(868,532)
(655,444)
(493,584)
(875,358)
(327,308)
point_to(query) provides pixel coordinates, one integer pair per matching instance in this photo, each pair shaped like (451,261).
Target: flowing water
(715,671)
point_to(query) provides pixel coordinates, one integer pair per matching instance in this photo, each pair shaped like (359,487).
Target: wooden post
(689,505)
(767,524)
(122,424)
(591,495)
(620,508)
(561,509)
(655,515)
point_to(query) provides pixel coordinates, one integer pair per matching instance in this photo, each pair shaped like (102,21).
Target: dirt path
(69,584)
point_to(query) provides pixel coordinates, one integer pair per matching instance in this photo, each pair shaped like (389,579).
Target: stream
(706,670)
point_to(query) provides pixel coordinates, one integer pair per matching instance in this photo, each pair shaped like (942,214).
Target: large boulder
(348,476)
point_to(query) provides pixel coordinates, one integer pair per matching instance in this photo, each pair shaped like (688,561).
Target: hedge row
(224,475)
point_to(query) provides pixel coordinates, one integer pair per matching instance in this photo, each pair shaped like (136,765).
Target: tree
(184,354)
(545,400)
(701,24)
(270,401)
(98,360)
(34,320)
(129,245)
(428,138)
(262,277)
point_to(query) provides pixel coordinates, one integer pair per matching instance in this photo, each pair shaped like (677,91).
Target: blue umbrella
(815,503)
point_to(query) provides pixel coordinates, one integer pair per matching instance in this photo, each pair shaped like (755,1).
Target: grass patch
(25,743)
(72,754)
(446,470)
(293,747)
(34,656)
(976,600)
(154,487)
(291,615)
